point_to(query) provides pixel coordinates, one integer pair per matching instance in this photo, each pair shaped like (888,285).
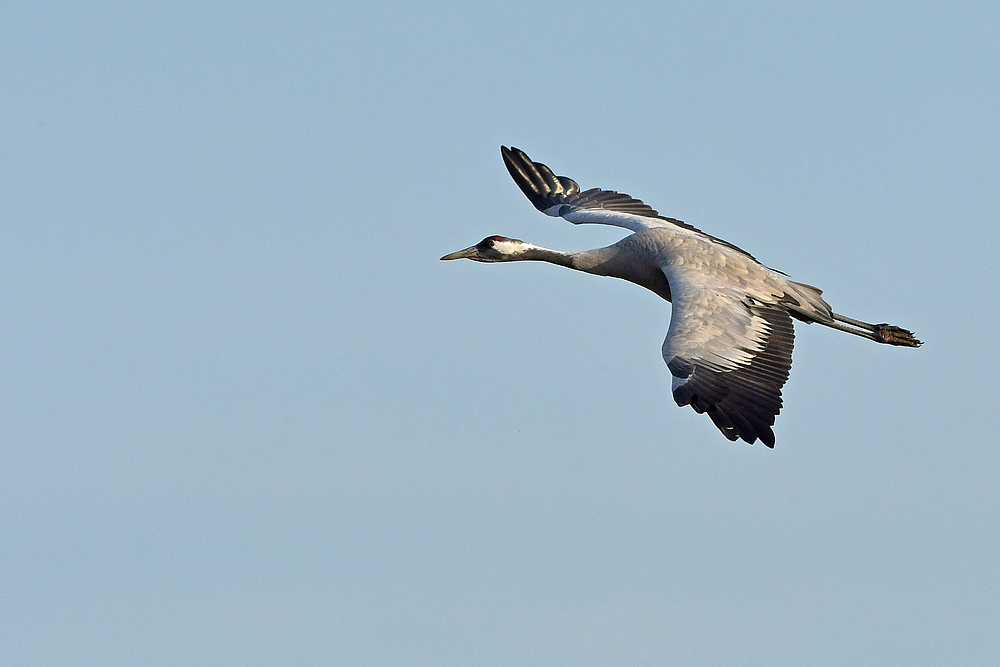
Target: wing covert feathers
(742,398)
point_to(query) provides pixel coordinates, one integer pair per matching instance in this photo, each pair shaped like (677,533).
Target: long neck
(590,261)
(614,261)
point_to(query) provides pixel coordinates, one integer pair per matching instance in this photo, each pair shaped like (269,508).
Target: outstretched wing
(560,197)
(729,355)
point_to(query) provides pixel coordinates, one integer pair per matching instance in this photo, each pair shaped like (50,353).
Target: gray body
(729,344)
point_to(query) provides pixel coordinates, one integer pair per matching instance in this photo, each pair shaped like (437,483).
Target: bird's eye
(492,243)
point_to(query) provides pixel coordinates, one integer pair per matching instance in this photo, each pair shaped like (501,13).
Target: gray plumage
(729,344)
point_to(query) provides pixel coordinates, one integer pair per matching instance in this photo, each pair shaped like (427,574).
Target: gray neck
(615,261)
(590,261)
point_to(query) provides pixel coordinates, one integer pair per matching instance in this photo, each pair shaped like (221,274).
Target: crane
(729,343)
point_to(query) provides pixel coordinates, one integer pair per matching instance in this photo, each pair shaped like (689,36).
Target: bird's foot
(893,335)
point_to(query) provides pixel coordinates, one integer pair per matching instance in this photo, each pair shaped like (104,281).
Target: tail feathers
(807,303)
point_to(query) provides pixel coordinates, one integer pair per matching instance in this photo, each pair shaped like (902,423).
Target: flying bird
(729,343)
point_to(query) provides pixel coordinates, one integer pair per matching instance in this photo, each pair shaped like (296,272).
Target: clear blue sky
(247,416)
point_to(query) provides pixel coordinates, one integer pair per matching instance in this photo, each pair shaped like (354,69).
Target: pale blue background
(247,416)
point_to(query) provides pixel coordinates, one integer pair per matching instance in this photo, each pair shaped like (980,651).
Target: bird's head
(492,249)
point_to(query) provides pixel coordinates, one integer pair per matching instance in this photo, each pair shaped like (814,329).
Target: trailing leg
(880,333)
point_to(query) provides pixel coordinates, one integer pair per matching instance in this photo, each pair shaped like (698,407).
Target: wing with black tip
(729,356)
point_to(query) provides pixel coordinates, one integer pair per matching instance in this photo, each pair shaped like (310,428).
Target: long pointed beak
(468,253)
